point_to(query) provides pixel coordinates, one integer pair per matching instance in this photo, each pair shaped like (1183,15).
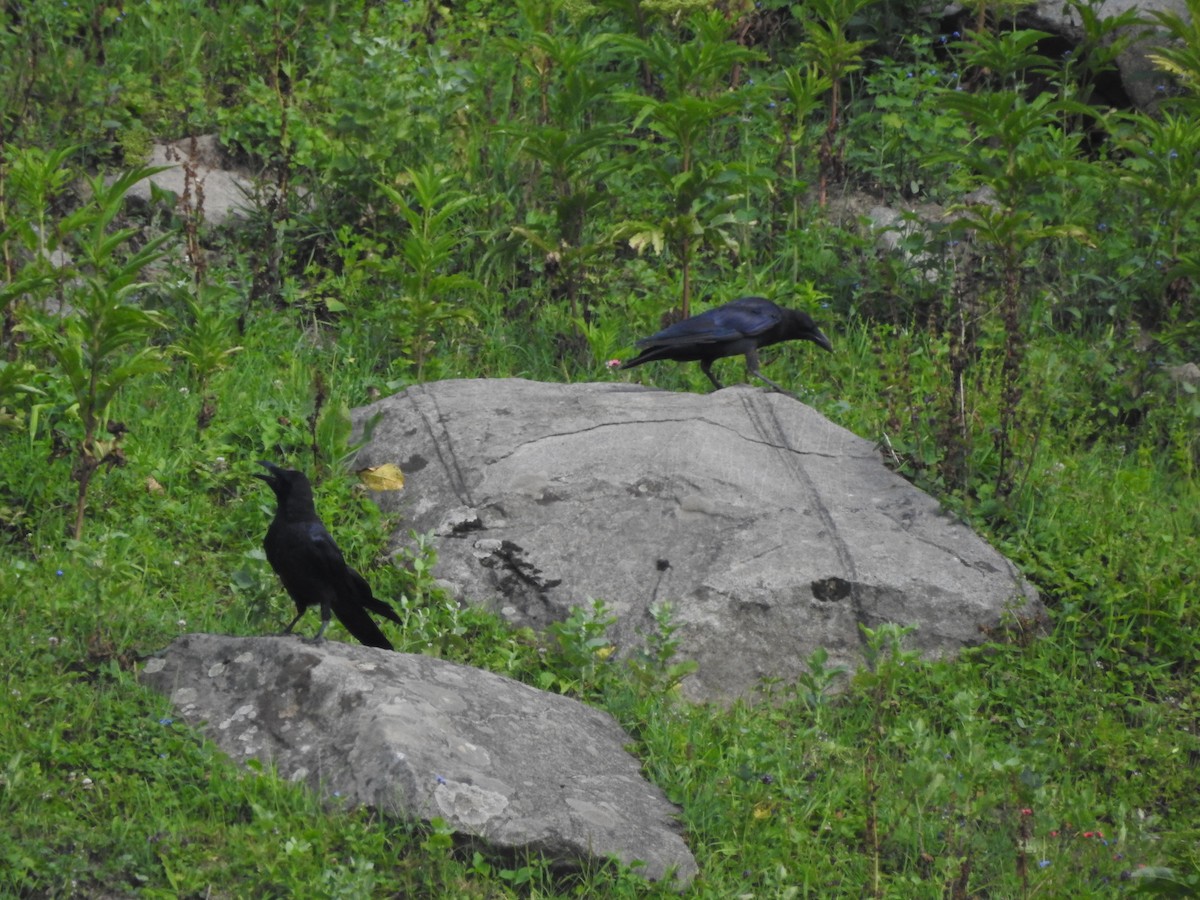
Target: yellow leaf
(387,477)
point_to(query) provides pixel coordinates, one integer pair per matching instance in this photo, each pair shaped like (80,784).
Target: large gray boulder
(418,737)
(769,529)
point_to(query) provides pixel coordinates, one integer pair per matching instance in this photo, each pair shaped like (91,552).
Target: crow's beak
(270,467)
(823,342)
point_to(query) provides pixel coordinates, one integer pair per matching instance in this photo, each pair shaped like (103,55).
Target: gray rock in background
(1140,78)
(418,737)
(771,530)
(216,189)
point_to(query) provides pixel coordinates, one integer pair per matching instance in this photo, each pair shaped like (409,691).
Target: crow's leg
(292,624)
(752,368)
(326,614)
(706,368)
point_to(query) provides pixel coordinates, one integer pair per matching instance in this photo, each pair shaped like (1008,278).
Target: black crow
(310,565)
(740,327)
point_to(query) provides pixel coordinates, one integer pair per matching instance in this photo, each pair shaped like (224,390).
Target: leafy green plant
(655,668)
(803,87)
(100,341)
(1157,172)
(32,183)
(431,303)
(580,664)
(828,47)
(906,123)
(207,342)
(1105,37)
(1010,224)
(574,164)
(573,153)
(700,196)
(818,681)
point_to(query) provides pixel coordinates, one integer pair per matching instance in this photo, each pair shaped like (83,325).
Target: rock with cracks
(770,530)
(418,738)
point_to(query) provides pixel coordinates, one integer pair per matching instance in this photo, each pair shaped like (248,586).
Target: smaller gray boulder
(417,738)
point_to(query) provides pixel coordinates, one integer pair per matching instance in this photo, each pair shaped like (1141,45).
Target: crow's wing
(349,594)
(305,558)
(325,561)
(739,319)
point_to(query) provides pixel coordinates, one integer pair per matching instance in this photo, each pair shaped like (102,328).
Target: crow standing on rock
(740,327)
(310,565)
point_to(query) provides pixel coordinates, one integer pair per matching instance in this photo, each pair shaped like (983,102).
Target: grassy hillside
(494,190)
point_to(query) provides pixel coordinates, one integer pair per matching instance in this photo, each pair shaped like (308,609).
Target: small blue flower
(771,105)
(1103,226)
(908,74)
(58,572)
(956,34)
(441,780)
(1160,88)
(1174,154)
(1042,863)
(165,721)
